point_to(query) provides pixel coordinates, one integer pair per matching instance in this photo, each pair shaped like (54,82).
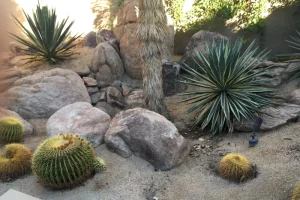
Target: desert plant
(296,193)
(235,167)
(11,130)
(15,162)
(64,161)
(228,85)
(152,32)
(100,165)
(47,39)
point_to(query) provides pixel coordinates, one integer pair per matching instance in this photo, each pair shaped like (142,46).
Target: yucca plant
(47,38)
(294,43)
(229,87)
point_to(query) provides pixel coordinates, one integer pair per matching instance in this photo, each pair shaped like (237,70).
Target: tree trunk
(152,33)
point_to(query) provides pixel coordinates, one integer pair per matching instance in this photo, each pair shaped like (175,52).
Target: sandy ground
(276,156)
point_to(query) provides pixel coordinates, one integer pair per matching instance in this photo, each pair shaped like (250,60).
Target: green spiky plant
(152,33)
(235,167)
(15,162)
(65,161)
(11,130)
(47,38)
(294,43)
(229,87)
(296,193)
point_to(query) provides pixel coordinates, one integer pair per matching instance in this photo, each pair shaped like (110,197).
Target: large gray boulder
(82,119)
(148,135)
(125,27)
(199,41)
(42,94)
(28,128)
(273,117)
(106,63)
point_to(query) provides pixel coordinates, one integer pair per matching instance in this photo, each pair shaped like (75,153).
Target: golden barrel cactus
(235,167)
(64,161)
(11,130)
(15,161)
(296,193)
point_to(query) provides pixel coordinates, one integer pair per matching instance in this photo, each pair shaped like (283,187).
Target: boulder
(90,39)
(114,97)
(135,99)
(170,76)
(106,63)
(198,41)
(82,119)
(273,117)
(110,110)
(28,128)
(148,135)
(125,27)
(89,82)
(42,94)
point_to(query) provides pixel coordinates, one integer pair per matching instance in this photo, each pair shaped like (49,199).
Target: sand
(276,156)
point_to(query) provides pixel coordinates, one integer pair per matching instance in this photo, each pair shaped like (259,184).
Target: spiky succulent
(235,167)
(11,130)
(64,161)
(99,165)
(228,85)
(296,193)
(47,39)
(15,161)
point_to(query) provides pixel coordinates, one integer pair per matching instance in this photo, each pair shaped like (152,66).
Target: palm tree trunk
(152,33)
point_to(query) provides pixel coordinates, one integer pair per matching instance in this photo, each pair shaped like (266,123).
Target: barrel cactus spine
(15,162)
(236,167)
(296,193)
(64,161)
(11,130)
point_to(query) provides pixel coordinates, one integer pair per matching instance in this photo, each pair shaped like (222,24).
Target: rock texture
(198,41)
(28,128)
(125,27)
(106,63)
(42,94)
(170,76)
(148,135)
(8,77)
(82,119)
(273,117)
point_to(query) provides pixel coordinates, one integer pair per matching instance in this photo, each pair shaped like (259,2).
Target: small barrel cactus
(15,162)
(64,161)
(235,167)
(296,193)
(11,130)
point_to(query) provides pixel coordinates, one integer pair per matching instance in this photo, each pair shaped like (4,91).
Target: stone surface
(198,41)
(28,128)
(125,89)
(42,94)
(92,90)
(295,97)
(82,119)
(90,39)
(170,76)
(111,111)
(125,27)
(106,63)
(8,77)
(14,194)
(135,99)
(114,97)
(273,117)
(90,82)
(95,98)
(148,135)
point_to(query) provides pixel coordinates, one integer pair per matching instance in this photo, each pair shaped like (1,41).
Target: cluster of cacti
(15,162)
(11,130)
(65,161)
(235,167)
(296,193)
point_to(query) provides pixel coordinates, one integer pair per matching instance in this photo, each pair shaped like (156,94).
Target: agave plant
(47,37)
(229,87)
(294,43)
